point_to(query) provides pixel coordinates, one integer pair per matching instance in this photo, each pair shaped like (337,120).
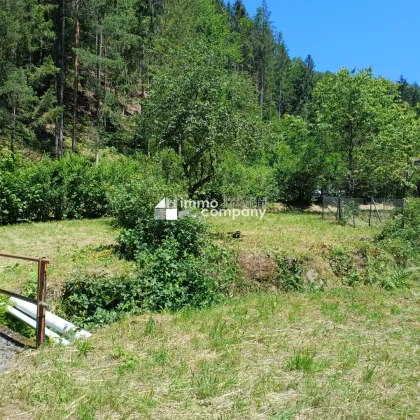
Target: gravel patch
(7,352)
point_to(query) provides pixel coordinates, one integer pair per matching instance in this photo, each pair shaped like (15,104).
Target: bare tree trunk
(98,86)
(62,63)
(12,143)
(76,78)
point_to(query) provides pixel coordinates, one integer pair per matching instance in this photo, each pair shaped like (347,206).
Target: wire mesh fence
(361,211)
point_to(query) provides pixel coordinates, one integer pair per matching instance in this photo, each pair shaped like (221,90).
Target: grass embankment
(340,353)
(87,245)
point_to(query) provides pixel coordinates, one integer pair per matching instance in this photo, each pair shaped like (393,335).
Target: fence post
(40,299)
(370,211)
(377,212)
(339,209)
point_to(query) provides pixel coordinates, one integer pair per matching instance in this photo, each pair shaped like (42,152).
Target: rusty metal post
(40,301)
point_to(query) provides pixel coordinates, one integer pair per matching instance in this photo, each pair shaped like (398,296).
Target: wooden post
(370,211)
(40,300)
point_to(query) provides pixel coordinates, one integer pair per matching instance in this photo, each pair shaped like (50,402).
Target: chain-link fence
(361,211)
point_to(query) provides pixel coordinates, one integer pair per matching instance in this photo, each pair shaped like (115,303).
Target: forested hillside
(207,93)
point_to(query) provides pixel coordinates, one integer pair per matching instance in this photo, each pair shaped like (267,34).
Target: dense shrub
(162,281)
(189,232)
(136,200)
(92,300)
(74,187)
(68,188)
(135,197)
(289,276)
(401,237)
(234,178)
(12,183)
(169,282)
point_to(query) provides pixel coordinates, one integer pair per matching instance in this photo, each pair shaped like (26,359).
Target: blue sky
(382,34)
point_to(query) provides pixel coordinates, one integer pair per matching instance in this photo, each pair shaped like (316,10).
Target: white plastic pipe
(51,320)
(32,323)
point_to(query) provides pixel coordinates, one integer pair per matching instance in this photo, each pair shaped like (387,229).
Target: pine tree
(263,56)
(282,68)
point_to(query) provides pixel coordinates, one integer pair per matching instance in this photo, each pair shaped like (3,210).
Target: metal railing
(40,296)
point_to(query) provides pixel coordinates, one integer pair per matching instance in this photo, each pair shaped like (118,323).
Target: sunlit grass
(73,246)
(246,358)
(341,353)
(296,233)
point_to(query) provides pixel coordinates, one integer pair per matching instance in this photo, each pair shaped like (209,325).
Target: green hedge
(52,189)
(74,187)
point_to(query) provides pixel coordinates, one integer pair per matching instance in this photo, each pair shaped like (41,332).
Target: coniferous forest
(200,91)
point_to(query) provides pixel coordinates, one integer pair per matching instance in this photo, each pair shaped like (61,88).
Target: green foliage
(94,300)
(368,134)
(148,235)
(209,94)
(73,187)
(163,281)
(171,283)
(235,178)
(295,159)
(137,199)
(176,267)
(401,237)
(289,276)
(66,189)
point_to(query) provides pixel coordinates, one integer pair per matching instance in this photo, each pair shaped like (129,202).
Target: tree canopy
(205,84)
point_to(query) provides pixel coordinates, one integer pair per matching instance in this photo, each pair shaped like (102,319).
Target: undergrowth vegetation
(176,266)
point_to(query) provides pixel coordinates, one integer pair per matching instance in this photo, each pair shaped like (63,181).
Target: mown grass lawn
(73,245)
(299,233)
(342,353)
(339,354)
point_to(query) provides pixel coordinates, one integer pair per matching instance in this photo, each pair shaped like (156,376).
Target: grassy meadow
(339,353)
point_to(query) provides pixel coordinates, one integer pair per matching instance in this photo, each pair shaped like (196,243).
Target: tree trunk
(98,87)
(12,143)
(76,78)
(62,64)
(352,173)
